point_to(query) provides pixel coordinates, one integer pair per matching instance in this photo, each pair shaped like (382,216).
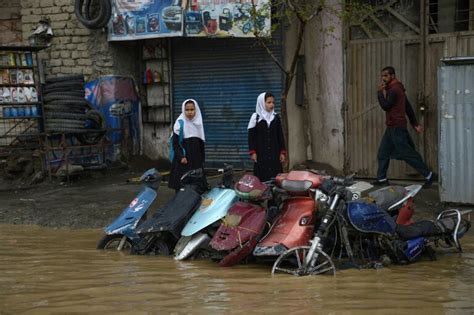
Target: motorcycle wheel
(109,242)
(159,247)
(292,262)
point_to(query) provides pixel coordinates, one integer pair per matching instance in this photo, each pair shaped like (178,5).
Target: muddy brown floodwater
(43,270)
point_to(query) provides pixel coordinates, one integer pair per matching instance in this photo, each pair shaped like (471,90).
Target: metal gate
(456,117)
(414,47)
(225,76)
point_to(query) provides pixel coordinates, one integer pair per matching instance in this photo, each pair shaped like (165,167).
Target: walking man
(396,142)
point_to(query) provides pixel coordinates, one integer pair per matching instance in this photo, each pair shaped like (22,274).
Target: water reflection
(45,270)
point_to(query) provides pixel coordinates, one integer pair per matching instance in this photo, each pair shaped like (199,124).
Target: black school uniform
(194,154)
(268,143)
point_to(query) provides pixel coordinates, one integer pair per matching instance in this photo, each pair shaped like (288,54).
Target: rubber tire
(76,77)
(108,239)
(63,115)
(163,248)
(58,96)
(66,130)
(64,85)
(63,90)
(64,109)
(158,243)
(65,122)
(90,138)
(97,117)
(101,20)
(69,102)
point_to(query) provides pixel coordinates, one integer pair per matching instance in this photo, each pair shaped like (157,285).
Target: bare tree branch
(272,55)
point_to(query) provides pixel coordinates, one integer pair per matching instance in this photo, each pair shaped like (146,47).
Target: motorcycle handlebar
(334,183)
(344,181)
(279,190)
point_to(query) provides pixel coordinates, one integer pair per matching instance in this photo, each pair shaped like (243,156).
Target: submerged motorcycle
(121,233)
(362,230)
(198,231)
(244,223)
(299,210)
(295,223)
(159,234)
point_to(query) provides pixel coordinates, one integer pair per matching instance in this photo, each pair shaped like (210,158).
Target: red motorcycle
(295,224)
(244,223)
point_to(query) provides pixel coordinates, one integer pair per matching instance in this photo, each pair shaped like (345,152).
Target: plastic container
(34,110)
(21,111)
(7,112)
(27,110)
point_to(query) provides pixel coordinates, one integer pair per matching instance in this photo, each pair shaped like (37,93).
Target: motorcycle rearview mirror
(194,173)
(412,190)
(149,175)
(228,176)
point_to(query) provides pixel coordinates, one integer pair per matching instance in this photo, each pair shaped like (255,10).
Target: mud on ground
(95,199)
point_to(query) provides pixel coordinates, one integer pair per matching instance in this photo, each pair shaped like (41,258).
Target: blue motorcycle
(363,233)
(199,229)
(121,233)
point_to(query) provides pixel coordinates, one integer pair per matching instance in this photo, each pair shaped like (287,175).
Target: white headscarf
(261,112)
(192,127)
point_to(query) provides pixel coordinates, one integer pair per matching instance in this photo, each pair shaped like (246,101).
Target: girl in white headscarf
(266,143)
(189,154)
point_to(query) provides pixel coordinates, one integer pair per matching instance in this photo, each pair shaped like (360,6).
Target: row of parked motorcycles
(301,222)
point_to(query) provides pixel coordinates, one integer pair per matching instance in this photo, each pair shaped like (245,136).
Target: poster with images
(28,76)
(140,19)
(13,74)
(21,97)
(7,95)
(14,94)
(20,77)
(227,18)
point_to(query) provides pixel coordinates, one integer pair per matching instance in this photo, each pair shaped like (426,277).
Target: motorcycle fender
(294,227)
(188,249)
(131,215)
(214,207)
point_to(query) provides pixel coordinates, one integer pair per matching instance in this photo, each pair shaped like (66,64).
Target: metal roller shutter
(225,76)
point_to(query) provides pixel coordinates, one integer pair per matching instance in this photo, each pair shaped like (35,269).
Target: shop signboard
(141,19)
(227,18)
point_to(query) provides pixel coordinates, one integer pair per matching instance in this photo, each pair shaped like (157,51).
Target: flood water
(60,271)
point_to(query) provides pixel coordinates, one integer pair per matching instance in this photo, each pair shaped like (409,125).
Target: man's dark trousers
(397,144)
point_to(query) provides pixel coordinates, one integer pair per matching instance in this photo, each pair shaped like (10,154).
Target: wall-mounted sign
(139,19)
(227,18)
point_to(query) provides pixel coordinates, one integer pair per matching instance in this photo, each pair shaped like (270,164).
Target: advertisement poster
(227,18)
(139,19)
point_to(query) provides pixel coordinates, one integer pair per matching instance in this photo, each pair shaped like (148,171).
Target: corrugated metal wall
(365,119)
(456,145)
(225,76)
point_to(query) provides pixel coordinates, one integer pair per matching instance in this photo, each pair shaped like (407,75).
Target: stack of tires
(67,111)
(64,104)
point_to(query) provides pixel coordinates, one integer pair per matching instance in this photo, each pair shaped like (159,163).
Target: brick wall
(10,22)
(74,48)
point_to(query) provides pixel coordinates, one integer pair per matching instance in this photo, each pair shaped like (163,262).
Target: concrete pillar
(325,89)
